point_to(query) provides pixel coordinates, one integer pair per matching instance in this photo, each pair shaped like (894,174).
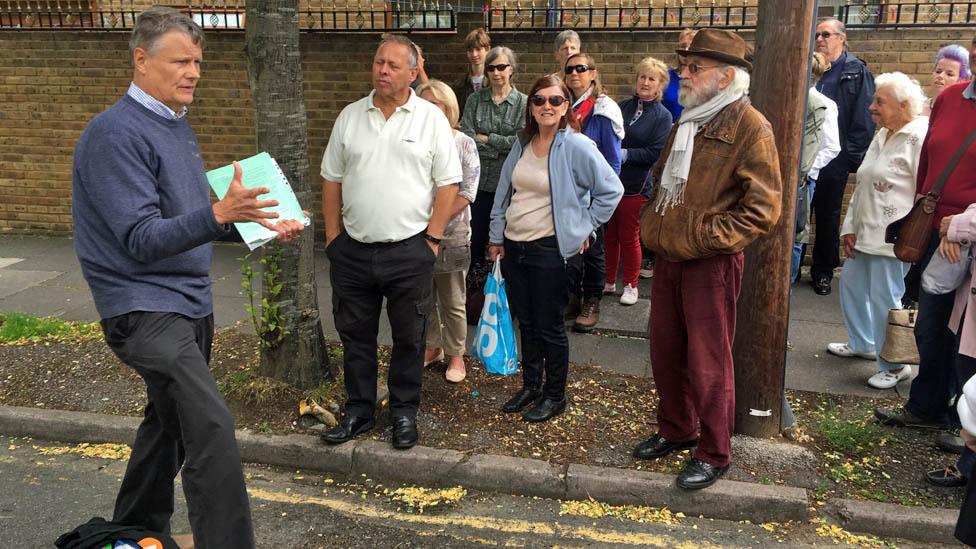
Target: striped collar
(154,104)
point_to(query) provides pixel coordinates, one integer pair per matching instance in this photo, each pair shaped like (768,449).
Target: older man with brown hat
(716,189)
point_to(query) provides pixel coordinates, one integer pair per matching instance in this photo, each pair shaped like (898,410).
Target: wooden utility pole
(779,91)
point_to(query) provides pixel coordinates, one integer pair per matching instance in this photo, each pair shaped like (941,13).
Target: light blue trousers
(869,286)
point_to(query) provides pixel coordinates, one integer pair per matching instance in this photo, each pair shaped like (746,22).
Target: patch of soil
(608,415)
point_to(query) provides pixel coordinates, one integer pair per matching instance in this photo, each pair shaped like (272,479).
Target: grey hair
(839,25)
(153,23)
(568,35)
(502,50)
(740,80)
(904,89)
(412,49)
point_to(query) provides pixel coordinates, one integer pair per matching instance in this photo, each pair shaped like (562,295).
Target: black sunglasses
(579,68)
(554,100)
(499,67)
(825,34)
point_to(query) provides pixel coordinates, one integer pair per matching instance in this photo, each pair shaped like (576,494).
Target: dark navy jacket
(643,141)
(854,93)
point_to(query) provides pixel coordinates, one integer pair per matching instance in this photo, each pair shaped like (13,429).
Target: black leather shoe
(949,441)
(544,410)
(821,286)
(521,399)
(347,429)
(698,474)
(658,446)
(950,477)
(404,432)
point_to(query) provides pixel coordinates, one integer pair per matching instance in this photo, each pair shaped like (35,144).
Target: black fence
(908,14)
(629,16)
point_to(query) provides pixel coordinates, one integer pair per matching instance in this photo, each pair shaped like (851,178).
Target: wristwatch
(433,239)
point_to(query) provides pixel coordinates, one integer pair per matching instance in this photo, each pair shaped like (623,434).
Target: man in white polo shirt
(391,172)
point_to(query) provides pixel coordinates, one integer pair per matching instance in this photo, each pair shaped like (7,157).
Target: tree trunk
(782,48)
(300,358)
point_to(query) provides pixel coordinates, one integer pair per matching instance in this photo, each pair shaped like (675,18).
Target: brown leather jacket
(732,194)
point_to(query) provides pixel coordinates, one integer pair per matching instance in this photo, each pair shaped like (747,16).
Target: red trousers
(692,327)
(623,240)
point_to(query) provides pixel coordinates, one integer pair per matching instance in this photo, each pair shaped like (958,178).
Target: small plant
(246,385)
(849,436)
(18,329)
(265,428)
(860,472)
(266,318)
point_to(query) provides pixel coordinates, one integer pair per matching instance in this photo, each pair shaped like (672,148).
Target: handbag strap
(951,165)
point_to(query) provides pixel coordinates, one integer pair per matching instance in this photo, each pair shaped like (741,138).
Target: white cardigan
(967,406)
(885,188)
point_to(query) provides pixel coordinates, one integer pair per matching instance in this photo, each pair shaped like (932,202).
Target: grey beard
(690,98)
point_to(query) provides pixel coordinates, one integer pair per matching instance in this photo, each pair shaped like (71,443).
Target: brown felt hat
(721,45)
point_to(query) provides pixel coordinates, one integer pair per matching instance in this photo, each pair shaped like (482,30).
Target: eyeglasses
(579,69)
(499,67)
(694,68)
(554,100)
(825,34)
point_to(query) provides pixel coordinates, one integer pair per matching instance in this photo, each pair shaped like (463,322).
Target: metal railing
(120,15)
(907,14)
(621,15)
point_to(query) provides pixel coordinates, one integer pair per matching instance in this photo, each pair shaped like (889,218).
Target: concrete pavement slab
(14,281)
(8,261)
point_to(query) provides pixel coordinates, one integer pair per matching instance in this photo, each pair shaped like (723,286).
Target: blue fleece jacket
(585,191)
(643,141)
(142,214)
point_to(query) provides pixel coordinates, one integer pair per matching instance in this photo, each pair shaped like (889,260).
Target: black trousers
(362,275)
(536,276)
(186,424)
(480,219)
(587,277)
(828,198)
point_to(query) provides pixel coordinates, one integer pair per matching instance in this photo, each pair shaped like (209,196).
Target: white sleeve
(334,159)
(446,166)
(830,144)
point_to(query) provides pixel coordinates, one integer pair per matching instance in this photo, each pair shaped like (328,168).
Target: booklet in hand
(260,171)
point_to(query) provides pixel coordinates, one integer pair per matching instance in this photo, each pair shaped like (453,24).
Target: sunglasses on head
(499,67)
(579,68)
(554,100)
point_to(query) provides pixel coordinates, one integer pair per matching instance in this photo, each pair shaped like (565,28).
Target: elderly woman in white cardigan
(872,279)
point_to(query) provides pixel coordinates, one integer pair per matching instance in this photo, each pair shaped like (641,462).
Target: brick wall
(52,83)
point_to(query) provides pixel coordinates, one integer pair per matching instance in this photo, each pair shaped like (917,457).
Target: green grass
(18,328)
(851,436)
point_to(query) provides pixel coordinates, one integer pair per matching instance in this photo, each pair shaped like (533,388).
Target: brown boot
(589,315)
(573,309)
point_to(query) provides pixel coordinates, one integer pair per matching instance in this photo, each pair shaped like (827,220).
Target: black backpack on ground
(98,532)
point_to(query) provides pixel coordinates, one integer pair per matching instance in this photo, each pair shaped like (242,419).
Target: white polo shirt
(390,168)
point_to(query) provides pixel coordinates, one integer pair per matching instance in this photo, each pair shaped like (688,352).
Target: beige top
(529,215)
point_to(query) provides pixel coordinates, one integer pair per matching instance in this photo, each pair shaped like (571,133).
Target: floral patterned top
(458,230)
(885,188)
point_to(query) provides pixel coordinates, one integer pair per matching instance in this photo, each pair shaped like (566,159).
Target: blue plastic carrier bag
(494,342)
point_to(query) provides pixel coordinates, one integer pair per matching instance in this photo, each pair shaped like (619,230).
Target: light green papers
(260,171)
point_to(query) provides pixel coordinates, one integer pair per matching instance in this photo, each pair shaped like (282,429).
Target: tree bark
(779,90)
(275,75)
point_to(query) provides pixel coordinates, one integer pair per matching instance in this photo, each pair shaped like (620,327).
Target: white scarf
(676,169)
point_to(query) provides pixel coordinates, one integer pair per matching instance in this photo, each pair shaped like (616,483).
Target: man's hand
(496,251)
(481,137)
(585,246)
(849,241)
(241,204)
(944,225)
(434,247)
(951,251)
(968,438)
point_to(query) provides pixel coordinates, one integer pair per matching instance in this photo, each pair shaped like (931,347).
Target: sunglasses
(694,68)
(579,68)
(499,67)
(825,34)
(554,100)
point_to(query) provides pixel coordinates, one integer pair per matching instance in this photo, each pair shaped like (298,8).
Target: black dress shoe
(950,477)
(404,432)
(821,286)
(544,410)
(658,446)
(521,399)
(698,474)
(347,429)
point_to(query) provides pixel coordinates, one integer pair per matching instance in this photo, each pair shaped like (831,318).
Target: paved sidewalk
(41,276)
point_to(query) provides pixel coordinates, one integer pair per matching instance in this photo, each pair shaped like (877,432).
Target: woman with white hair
(872,280)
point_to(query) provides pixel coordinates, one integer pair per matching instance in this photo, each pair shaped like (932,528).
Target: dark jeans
(828,196)
(362,275)
(480,219)
(937,384)
(186,424)
(535,279)
(586,278)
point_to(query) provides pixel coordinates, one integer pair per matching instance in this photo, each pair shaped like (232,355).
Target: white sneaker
(842,349)
(609,289)
(887,380)
(629,297)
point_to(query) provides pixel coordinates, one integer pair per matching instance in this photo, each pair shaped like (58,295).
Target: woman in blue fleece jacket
(600,118)
(554,191)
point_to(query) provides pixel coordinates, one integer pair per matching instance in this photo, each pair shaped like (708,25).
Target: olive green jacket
(500,122)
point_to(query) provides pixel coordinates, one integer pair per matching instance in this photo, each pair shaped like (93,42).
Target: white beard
(689,97)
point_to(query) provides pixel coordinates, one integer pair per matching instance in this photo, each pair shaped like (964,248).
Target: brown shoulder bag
(911,234)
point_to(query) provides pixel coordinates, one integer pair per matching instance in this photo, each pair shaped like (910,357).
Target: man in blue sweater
(143,226)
